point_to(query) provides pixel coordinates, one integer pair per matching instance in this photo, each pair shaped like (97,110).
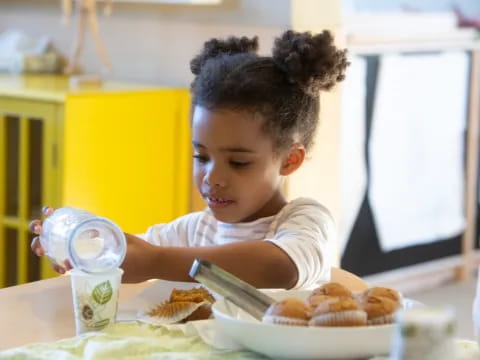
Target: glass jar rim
(71,253)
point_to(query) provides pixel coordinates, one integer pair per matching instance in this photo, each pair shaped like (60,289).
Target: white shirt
(304,229)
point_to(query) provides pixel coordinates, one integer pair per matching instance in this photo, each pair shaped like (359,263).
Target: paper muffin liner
(381,320)
(282,320)
(171,312)
(340,318)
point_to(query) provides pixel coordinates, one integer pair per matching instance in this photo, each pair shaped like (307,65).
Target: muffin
(380,310)
(183,306)
(288,312)
(315,300)
(338,311)
(195,295)
(332,289)
(383,292)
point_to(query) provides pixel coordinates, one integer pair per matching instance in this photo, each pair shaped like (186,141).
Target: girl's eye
(239,164)
(200,158)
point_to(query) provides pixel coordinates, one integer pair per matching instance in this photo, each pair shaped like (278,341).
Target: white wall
(152,42)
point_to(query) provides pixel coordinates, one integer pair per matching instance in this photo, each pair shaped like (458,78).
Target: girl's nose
(213,178)
(215,183)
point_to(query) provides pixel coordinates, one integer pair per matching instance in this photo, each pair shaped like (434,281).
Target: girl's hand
(140,260)
(36,228)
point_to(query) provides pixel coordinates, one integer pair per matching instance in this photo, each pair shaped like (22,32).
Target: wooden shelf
(411,46)
(172,2)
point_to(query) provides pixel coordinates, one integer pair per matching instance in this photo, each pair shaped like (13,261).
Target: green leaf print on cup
(101,324)
(102,293)
(87,312)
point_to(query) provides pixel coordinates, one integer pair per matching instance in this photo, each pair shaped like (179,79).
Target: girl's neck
(271,207)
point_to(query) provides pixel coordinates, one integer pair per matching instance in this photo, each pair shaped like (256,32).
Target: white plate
(298,342)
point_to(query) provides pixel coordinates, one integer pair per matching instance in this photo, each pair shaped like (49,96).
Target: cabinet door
(28,177)
(127,156)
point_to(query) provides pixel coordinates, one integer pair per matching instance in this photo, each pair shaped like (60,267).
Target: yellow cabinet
(120,151)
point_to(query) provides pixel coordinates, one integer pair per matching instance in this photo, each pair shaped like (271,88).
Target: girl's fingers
(68,266)
(37,247)
(47,210)
(58,269)
(35,226)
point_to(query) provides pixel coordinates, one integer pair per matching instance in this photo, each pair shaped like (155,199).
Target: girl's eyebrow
(197,144)
(225,149)
(237,149)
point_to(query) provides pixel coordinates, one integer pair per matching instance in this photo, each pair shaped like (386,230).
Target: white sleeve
(306,232)
(174,233)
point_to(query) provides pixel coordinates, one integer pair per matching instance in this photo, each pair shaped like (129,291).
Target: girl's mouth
(215,202)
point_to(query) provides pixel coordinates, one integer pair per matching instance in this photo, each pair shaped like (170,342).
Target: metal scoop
(242,294)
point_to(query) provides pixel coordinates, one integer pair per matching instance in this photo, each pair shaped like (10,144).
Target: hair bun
(312,61)
(215,47)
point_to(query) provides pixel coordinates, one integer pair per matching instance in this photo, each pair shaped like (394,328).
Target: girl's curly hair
(283,88)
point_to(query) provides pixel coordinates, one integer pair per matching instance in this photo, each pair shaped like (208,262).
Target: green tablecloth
(130,341)
(135,341)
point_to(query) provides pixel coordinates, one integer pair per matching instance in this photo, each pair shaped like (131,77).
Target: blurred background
(396,155)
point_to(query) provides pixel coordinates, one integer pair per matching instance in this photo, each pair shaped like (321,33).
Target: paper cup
(95,299)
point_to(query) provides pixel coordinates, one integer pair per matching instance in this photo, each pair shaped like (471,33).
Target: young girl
(254,118)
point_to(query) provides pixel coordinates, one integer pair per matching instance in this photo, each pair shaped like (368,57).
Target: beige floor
(460,296)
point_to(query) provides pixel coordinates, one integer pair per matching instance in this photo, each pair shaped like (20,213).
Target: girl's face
(235,167)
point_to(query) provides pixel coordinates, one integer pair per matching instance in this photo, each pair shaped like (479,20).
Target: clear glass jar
(92,244)
(424,333)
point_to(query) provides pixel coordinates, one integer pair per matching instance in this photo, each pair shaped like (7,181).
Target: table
(43,311)
(37,321)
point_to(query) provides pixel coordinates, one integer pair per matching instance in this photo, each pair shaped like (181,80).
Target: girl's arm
(260,263)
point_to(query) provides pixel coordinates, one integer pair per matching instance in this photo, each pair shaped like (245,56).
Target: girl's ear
(293,160)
